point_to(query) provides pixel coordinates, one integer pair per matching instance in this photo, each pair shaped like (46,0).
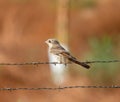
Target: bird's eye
(49,41)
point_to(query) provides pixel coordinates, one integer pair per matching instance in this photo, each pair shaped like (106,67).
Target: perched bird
(64,56)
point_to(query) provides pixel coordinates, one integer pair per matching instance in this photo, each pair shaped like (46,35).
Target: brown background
(26,24)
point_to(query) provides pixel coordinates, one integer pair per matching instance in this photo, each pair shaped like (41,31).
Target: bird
(63,55)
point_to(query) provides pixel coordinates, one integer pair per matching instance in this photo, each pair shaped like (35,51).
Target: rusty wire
(38,63)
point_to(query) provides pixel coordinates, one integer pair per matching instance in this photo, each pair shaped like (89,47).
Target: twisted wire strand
(38,63)
(58,88)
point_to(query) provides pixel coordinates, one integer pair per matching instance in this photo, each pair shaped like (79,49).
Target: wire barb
(58,88)
(38,63)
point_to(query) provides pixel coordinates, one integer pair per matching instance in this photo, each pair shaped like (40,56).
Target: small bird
(56,49)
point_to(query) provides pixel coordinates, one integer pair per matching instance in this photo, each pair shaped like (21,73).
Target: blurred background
(89,28)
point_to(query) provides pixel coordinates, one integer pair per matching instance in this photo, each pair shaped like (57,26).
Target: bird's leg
(65,61)
(59,58)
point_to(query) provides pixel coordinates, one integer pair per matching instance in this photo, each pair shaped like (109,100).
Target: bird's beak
(46,42)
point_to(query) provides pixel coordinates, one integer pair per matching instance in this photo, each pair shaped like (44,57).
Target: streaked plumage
(56,49)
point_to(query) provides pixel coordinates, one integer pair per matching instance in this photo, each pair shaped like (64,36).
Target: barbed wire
(38,63)
(58,88)
(105,61)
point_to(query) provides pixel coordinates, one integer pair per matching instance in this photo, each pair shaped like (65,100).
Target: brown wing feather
(73,59)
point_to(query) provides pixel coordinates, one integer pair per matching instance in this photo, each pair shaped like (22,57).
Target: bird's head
(51,42)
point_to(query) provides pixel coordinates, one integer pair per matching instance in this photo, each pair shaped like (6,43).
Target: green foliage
(103,49)
(83,3)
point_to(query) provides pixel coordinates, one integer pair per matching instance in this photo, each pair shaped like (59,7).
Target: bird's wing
(73,59)
(67,55)
(57,50)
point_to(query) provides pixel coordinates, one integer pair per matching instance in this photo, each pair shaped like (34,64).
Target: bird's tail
(80,63)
